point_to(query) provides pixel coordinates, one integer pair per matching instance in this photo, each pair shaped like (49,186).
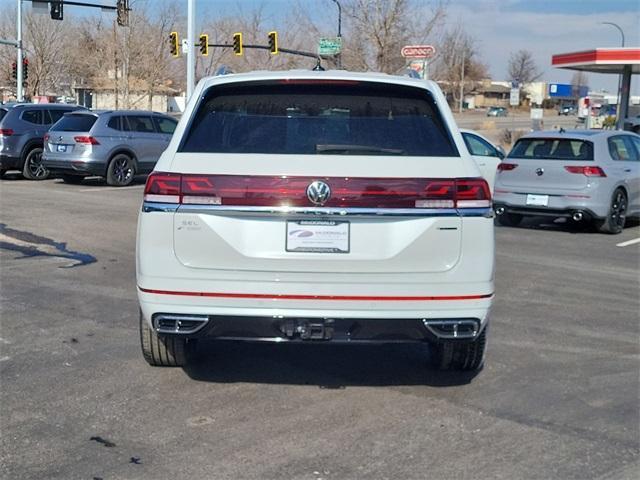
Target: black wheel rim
(36,169)
(122,170)
(619,210)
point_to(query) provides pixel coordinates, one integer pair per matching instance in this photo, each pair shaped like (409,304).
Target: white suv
(316,206)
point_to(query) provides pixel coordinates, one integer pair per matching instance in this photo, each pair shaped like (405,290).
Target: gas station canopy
(600,60)
(623,61)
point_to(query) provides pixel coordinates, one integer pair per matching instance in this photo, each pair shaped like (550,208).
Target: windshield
(552,149)
(342,118)
(74,123)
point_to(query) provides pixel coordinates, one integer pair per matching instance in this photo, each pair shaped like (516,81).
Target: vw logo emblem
(539,171)
(318,192)
(60,138)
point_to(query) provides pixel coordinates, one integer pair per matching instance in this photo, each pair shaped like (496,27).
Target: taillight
(86,140)
(587,171)
(284,191)
(472,193)
(6,132)
(162,187)
(46,137)
(505,167)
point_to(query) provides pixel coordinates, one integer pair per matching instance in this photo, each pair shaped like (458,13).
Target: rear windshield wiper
(356,149)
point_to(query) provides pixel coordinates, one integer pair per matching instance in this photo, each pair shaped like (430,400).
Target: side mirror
(501,153)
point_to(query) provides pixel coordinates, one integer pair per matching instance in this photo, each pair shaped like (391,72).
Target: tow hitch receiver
(316,329)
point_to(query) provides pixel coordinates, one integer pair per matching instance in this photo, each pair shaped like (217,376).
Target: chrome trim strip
(233,210)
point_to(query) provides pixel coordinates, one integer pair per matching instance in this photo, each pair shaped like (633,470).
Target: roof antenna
(318,67)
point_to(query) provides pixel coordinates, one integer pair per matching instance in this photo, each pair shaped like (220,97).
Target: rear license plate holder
(318,236)
(537,200)
(61,148)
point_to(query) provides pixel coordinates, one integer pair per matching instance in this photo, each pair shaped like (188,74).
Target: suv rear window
(552,149)
(3,112)
(345,118)
(74,123)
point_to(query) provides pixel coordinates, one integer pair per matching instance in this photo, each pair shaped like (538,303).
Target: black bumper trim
(335,330)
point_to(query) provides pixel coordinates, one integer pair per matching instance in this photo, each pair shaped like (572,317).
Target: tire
(2,173)
(616,216)
(458,355)
(162,351)
(33,168)
(121,170)
(509,219)
(73,179)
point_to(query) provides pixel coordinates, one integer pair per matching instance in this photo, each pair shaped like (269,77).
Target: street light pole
(191,59)
(462,83)
(19,88)
(339,56)
(619,109)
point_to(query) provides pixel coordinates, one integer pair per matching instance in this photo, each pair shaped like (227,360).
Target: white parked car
(316,206)
(486,155)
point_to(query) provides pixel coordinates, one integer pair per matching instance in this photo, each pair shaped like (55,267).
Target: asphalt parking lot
(558,397)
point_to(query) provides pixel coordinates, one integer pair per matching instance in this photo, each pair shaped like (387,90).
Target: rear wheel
(33,168)
(121,170)
(73,179)
(162,351)
(2,172)
(617,215)
(509,219)
(456,355)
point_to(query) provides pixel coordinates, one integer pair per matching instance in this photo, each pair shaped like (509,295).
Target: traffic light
(25,69)
(273,42)
(204,44)
(237,43)
(122,11)
(14,71)
(56,10)
(174,49)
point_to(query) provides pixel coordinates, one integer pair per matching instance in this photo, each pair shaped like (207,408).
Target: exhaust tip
(181,324)
(577,216)
(499,210)
(459,328)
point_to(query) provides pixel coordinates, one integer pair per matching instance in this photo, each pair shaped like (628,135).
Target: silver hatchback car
(114,144)
(584,175)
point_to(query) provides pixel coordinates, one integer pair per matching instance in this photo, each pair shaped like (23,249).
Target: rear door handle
(627,169)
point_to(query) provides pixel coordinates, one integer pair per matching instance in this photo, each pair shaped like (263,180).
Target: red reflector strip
(365,298)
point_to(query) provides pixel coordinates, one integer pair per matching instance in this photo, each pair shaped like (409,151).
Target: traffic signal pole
(191,48)
(19,88)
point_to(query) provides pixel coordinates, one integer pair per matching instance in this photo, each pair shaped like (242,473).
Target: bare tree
(457,63)
(522,68)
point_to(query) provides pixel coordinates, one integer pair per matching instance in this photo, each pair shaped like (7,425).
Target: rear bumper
(560,204)
(568,212)
(8,162)
(336,330)
(75,166)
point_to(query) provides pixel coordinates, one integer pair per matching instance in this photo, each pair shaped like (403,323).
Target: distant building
(107,94)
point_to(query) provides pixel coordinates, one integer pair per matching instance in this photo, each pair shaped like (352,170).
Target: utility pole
(19,88)
(191,55)
(462,82)
(339,56)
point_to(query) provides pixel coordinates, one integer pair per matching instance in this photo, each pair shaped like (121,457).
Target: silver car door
(142,140)
(633,176)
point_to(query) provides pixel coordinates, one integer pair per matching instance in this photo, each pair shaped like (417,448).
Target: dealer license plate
(317,236)
(61,148)
(538,200)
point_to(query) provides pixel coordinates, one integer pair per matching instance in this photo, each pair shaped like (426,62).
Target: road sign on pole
(514,97)
(418,51)
(330,46)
